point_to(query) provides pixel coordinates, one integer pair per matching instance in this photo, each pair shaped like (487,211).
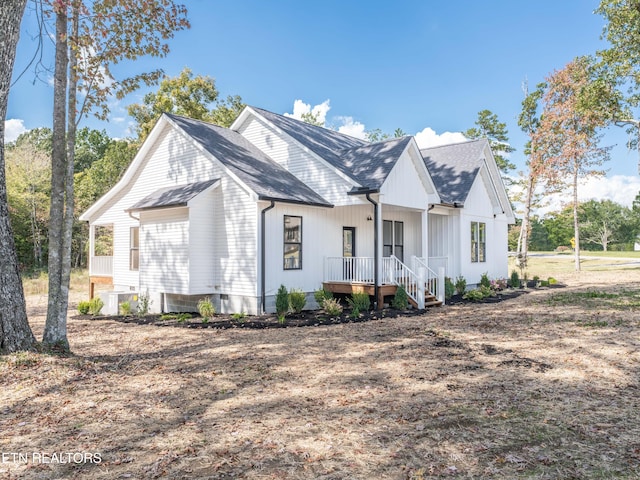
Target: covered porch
(100,256)
(347,275)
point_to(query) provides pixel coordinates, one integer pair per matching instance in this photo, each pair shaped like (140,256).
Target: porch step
(429,301)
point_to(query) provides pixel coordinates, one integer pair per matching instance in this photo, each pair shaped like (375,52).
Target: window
(478,242)
(393,239)
(292,242)
(134,248)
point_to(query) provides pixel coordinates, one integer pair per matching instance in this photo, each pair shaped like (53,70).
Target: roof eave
(270,198)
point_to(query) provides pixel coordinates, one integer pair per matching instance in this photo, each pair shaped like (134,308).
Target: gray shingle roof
(367,164)
(454,168)
(172,196)
(260,173)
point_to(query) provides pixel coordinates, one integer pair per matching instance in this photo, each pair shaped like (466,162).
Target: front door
(348,251)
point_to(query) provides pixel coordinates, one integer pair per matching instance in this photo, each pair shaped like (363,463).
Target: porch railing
(434,280)
(350,269)
(101,265)
(436,262)
(396,272)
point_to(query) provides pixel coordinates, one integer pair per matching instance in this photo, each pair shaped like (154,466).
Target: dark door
(348,251)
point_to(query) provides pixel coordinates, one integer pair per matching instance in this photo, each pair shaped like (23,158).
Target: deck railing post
(422,275)
(440,288)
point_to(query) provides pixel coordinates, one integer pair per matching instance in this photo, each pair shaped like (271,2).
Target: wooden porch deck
(387,290)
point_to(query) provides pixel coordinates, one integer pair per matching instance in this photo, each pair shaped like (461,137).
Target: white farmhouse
(233,213)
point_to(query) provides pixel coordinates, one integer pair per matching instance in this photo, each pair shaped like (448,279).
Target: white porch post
(92,246)
(425,236)
(422,285)
(440,286)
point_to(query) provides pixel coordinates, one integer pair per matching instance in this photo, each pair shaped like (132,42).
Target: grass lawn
(542,386)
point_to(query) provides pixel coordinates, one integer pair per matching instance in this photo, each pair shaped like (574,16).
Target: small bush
(206,309)
(461,285)
(332,306)
(552,281)
(84,307)
(400,299)
(358,302)
(498,284)
(449,288)
(474,295)
(321,295)
(298,300)
(282,301)
(125,308)
(514,280)
(144,302)
(484,280)
(239,316)
(95,306)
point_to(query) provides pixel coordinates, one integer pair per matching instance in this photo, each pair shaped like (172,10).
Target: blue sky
(406,64)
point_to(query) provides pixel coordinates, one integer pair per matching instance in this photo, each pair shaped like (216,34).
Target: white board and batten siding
(305,166)
(478,208)
(405,186)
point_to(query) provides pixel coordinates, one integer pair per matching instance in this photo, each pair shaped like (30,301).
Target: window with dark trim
(393,239)
(478,242)
(134,248)
(292,242)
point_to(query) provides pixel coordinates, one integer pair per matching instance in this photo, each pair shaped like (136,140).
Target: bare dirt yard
(545,386)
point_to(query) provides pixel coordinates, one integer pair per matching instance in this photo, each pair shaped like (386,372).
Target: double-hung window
(478,242)
(134,248)
(292,242)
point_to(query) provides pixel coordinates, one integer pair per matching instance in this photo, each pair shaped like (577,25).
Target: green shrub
(298,300)
(321,295)
(514,280)
(400,299)
(282,302)
(144,302)
(125,308)
(206,309)
(332,306)
(484,280)
(181,317)
(449,288)
(95,306)
(552,281)
(461,285)
(474,295)
(84,307)
(239,316)
(358,302)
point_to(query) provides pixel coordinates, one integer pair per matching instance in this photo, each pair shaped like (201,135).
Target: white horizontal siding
(164,251)
(285,151)
(173,161)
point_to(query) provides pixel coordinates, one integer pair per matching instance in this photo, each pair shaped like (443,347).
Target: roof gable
(250,165)
(454,168)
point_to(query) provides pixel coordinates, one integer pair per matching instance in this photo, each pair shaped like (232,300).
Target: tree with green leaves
(90,37)
(28,169)
(569,133)
(605,222)
(619,65)
(190,96)
(488,126)
(15,333)
(377,135)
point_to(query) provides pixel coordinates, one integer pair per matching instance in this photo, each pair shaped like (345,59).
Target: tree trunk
(576,226)
(15,333)
(523,239)
(55,331)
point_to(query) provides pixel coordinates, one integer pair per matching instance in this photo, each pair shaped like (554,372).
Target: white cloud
(319,111)
(13,128)
(352,127)
(429,138)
